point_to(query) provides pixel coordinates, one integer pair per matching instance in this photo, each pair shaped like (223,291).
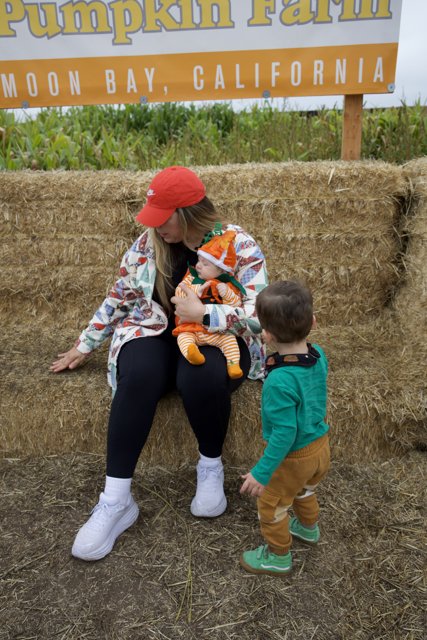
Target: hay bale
(47,218)
(63,250)
(411,299)
(83,286)
(341,227)
(410,302)
(330,224)
(372,411)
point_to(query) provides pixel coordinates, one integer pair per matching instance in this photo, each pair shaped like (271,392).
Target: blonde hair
(197,219)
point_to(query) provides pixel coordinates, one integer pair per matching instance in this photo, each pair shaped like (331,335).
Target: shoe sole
(124,523)
(275,574)
(311,543)
(214,514)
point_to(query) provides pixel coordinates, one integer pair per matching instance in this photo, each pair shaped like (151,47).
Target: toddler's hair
(285,309)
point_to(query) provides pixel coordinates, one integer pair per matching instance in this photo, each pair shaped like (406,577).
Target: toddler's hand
(251,486)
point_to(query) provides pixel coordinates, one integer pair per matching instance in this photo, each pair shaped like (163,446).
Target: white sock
(117,490)
(210,462)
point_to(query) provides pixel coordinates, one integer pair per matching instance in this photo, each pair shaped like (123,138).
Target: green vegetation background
(145,137)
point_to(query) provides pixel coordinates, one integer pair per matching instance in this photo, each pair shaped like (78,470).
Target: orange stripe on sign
(339,70)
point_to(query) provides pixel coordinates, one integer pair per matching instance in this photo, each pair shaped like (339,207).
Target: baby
(213,281)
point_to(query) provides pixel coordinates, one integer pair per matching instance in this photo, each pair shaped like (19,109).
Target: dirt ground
(173,576)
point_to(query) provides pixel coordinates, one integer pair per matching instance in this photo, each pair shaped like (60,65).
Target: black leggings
(150,367)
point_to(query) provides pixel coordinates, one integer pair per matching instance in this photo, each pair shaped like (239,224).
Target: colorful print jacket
(129,311)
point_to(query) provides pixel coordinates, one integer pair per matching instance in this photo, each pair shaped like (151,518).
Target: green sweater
(293,410)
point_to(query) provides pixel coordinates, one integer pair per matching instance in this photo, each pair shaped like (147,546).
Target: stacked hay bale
(334,225)
(410,300)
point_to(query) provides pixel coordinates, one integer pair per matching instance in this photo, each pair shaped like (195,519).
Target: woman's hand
(190,308)
(69,360)
(251,486)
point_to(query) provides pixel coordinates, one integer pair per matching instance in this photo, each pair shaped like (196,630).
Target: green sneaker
(310,536)
(262,560)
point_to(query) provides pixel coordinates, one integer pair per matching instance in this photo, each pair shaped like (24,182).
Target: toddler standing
(293,409)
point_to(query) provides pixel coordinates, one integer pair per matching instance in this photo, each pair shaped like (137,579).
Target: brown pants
(292,485)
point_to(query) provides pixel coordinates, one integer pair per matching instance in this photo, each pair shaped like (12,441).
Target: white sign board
(124,51)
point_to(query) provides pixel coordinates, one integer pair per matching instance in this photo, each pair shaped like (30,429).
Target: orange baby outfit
(220,251)
(191,334)
(210,295)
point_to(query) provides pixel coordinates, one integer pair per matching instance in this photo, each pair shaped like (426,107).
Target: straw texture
(175,576)
(355,232)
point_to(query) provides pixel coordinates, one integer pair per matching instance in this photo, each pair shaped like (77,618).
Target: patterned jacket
(129,311)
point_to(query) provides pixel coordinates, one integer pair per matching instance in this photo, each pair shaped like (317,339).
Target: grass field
(144,137)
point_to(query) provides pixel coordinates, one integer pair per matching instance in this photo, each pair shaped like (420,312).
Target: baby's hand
(251,486)
(201,287)
(222,289)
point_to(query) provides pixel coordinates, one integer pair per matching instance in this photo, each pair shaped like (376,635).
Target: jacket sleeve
(251,272)
(133,284)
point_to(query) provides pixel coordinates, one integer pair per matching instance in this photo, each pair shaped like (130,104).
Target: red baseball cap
(169,190)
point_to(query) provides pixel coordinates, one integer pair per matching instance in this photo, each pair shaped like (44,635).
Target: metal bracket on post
(352,127)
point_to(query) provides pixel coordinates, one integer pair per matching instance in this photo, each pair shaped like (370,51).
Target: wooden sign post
(352,127)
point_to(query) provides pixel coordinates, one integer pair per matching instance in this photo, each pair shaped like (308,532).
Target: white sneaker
(210,500)
(96,538)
